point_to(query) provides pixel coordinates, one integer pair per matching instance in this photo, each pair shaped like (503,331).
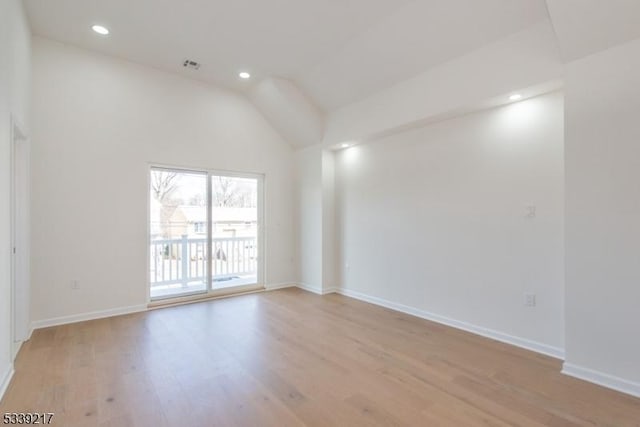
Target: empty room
(320,213)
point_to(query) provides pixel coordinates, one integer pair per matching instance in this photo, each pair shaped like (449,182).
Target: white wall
(433,219)
(309,194)
(14,102)
(329,280)
(315,195)
(603,216)
(98,122)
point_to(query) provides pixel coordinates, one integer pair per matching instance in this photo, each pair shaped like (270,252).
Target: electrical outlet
(75,285)
(530,211)
(529,300)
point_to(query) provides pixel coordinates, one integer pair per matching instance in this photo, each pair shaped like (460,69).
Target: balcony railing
(184,261)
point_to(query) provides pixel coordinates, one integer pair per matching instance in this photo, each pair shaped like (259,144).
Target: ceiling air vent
(193,65)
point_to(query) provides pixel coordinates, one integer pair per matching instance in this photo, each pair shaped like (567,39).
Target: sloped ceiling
(414,38)
(289,110)
(321,55)
(337,51)
(269,38)
(584,27)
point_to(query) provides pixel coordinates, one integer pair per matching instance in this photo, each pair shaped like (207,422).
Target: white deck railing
(184,260)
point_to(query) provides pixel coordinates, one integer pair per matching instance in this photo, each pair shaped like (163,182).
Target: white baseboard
(600,378)
(5,380)
(16,349)
(279,286)
(309,288)
(55,321)
(316,290)
(478,330)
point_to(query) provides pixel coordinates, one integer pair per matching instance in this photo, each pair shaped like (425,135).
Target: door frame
(20,316)
(260,237)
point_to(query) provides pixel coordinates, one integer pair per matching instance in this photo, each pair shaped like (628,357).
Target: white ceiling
(266,37)
(584,27)
(414,38)
(338,51)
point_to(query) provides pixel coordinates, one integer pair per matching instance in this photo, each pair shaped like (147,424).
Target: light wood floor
(293,358)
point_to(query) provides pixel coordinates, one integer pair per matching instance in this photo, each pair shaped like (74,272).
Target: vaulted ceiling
(337,51)
(282,38)
(309,57)
(584,27)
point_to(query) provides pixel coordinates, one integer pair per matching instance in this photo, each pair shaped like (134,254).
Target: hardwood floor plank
(292,358)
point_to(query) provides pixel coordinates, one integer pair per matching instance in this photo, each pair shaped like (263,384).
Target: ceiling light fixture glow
(515,97)
(244,75)
(345,145)
(103,31)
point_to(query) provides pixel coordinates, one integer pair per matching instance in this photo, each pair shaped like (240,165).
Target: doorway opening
(20,283)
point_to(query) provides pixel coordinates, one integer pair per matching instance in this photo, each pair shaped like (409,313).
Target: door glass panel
(178,233)
(234,230)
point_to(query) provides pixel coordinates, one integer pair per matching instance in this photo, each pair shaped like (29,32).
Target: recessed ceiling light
(244,75)
(345,145)
(103,31)
(515,97)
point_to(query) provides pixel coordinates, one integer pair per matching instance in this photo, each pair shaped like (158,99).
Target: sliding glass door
(203,232)
(234,220)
